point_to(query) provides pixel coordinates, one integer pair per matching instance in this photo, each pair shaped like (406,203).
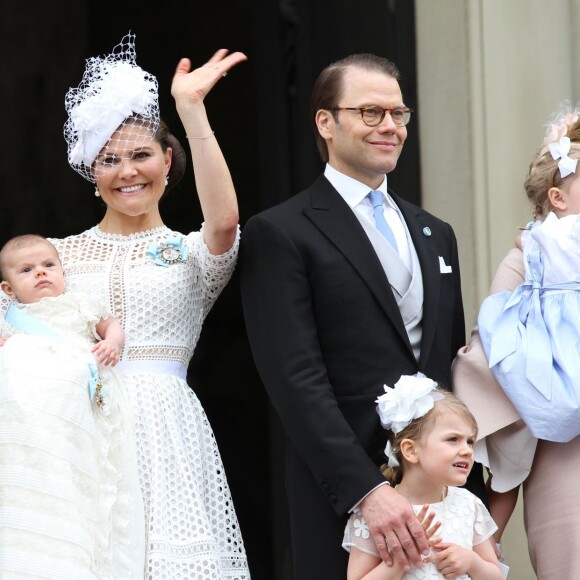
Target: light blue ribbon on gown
(523,313)
(28,324)
(520,346)
(31,325)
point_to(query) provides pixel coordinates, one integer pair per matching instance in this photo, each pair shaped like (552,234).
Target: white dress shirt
(355,195)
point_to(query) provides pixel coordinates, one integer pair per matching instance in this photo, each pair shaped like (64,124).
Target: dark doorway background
(260,113)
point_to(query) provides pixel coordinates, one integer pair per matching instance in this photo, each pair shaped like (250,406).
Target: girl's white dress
(465,522)
(70,503)
(161,285)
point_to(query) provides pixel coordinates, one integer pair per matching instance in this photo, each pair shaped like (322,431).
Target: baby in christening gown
(70,503)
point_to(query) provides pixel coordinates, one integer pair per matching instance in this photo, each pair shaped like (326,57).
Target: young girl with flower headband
(519,374)
(160,285)
(431,435)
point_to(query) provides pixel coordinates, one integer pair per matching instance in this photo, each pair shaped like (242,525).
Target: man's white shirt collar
(351,190)
(355,195)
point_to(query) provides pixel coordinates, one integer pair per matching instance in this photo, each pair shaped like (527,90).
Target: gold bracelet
(201,138)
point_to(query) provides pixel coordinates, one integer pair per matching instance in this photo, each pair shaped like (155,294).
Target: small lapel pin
(426,231)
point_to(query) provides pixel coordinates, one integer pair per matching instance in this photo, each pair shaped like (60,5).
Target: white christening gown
(70,502)
(160,285)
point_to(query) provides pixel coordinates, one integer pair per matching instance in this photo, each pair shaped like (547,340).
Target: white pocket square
(443,267)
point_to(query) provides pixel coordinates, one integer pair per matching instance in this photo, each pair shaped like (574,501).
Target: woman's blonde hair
(419,428)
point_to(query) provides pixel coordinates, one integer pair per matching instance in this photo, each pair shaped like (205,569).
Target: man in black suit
(337,305)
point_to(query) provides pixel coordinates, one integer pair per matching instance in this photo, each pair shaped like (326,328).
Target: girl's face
(565,200)
(445,453)
(130,172)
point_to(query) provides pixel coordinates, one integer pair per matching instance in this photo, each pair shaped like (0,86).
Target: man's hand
(398,534)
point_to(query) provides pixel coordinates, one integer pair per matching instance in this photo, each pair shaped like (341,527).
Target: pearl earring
(166,181)
(97,194)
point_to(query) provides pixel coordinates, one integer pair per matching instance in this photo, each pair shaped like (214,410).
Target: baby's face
(33,272)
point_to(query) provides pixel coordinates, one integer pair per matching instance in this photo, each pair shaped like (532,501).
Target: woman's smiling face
(130,171)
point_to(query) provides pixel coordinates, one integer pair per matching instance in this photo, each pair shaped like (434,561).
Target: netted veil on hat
(114,94)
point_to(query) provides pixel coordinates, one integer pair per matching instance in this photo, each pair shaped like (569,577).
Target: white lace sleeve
(357,534)
(483,525)
(215,270)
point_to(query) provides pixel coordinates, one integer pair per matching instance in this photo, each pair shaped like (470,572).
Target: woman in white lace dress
(160,285)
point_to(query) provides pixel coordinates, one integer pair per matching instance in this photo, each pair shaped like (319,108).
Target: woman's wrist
(187,107)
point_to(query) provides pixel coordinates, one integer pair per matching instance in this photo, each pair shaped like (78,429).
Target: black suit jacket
(326,332)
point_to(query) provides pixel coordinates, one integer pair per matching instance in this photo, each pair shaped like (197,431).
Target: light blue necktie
(376,198)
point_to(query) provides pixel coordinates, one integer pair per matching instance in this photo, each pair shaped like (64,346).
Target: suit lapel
(426,249)
(335,219)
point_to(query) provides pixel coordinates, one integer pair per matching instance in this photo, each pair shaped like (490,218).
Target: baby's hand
(452,560)
(107,352)
(3,340)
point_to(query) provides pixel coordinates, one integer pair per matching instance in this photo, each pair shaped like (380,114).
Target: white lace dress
(70,503)
(465,522)
(191,525)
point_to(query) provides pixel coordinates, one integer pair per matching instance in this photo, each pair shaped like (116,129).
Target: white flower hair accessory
(412,397)
(557,140)
(113,90)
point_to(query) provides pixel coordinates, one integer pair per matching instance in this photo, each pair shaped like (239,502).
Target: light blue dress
(531,336)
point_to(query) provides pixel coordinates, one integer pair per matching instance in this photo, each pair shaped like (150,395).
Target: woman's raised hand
(192,86)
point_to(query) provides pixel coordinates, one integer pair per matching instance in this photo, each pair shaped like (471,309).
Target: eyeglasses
(373,115)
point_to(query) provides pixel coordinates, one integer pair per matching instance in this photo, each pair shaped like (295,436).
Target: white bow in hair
(393,462)
(560,150)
